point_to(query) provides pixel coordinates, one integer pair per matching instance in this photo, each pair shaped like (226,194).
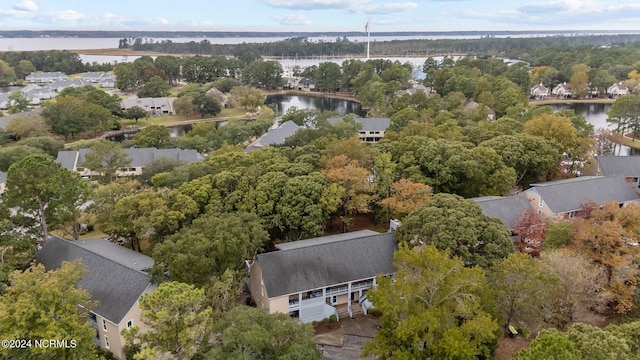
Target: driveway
(346,343)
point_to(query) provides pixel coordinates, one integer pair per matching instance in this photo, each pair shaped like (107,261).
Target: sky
(319,15)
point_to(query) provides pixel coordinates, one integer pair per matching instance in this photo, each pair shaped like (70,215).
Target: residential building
(45,77)
(4,101)
(94,77)
(562,90)
(59,85)
(154,106)
(416,88)
(275,136)
(627,166)
(539,91)
(140,157)
(116,278)
(3,182)
(508,209)
(562,199)
(306,84)
(316,278)
(372,130)
(617,89)
(107,81)
(472,105)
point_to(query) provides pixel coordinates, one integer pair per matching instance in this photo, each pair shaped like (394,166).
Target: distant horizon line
(254,33)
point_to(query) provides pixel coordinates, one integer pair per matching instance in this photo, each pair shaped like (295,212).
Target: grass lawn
(628,142)
(569,101)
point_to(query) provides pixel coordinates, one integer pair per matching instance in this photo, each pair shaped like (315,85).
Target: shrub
(333,318)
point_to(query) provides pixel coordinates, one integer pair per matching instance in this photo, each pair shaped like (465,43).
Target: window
(129,323)
(540,201)
(104,324)
(80,169)
(106,342)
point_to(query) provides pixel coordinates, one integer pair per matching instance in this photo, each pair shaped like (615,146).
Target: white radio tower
(366,29)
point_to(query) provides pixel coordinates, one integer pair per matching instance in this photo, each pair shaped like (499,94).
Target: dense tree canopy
(435,308)
(451,222)
(43,305)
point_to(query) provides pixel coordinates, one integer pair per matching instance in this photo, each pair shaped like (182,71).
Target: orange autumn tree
(354,184)
(609,239)
(405,196)
(530,233)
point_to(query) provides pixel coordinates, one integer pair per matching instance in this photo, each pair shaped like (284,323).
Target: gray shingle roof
(115,286)
(570,194)
(368,124)
(628,166)
(507,209)
(117,253)
(328,263)
(275,136)
(140,157)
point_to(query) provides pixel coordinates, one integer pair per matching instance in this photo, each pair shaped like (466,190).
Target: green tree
(525,289)
(155,87)
(184,105)
(24,68)
(434,308)
(41,188)
(135,113)
(599,343)
(11,154)
(156,136)
(43,305)
(24,127)
(7,74)
(246,97)
(250,333)
(133,216)
(106,158)
(451,222)
(48,144)
(126,76)
(550,345)
(328,77)
(179,319)
(214,243)
(18,102)
(579,84)
(206,105)
(67,116)
(305,206)
(16,250)
(624,112)
(532,157)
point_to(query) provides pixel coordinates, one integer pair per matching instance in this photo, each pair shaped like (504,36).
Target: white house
(617,89)
(539,91)
(562,90)
(45,77)
(372,130)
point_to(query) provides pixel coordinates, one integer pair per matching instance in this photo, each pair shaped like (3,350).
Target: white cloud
(26,5)
(315,4)
(388,8)
(292,19)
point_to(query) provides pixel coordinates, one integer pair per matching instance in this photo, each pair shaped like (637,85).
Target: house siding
(534,199)
(279,304)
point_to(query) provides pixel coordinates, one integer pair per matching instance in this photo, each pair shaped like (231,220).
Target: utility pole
(366,29)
